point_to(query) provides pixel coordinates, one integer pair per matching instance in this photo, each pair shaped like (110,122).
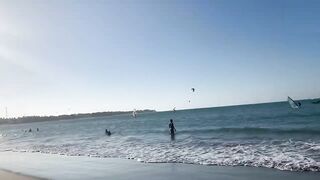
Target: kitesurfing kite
(193,90)
(294,104)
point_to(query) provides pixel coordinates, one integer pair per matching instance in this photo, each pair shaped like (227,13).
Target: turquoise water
(264,135)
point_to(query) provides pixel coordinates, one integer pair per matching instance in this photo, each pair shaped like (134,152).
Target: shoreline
(53,166)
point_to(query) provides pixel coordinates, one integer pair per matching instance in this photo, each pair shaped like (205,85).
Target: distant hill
(29,119)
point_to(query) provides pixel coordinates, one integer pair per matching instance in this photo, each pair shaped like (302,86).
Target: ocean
(270,135)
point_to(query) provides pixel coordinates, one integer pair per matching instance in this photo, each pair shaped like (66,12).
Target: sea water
(268,135)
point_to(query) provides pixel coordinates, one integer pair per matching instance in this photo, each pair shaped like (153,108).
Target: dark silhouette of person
(30,130)
(172,128)
(37,129)
(108,132)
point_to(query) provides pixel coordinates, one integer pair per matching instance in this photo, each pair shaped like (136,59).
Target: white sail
(134,113)
(293,104)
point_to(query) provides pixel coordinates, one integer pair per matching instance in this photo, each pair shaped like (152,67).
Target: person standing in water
(172,128)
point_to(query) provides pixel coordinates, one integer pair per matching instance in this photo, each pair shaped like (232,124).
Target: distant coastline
(30,119)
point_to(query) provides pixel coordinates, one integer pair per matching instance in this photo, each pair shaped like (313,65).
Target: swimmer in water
(108,132)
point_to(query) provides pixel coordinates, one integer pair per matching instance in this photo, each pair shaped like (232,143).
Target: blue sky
(60,57)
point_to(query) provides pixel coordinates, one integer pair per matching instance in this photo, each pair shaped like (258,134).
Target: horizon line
(147,109)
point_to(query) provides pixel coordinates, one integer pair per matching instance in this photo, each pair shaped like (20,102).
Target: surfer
(172,128)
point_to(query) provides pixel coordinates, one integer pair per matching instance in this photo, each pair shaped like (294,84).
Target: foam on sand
(68,167)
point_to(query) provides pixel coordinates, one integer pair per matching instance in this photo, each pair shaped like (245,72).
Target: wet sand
(80,167)
(7,175)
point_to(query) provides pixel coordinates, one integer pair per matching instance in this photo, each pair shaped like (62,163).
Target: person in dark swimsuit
(172,128)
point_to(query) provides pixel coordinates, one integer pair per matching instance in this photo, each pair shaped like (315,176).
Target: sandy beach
(72,167)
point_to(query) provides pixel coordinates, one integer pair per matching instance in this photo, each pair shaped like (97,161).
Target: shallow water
(265,135)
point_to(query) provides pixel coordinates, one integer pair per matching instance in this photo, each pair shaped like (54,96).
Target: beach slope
(15,176)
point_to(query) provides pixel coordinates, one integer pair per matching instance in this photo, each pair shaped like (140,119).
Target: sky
(76,56)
